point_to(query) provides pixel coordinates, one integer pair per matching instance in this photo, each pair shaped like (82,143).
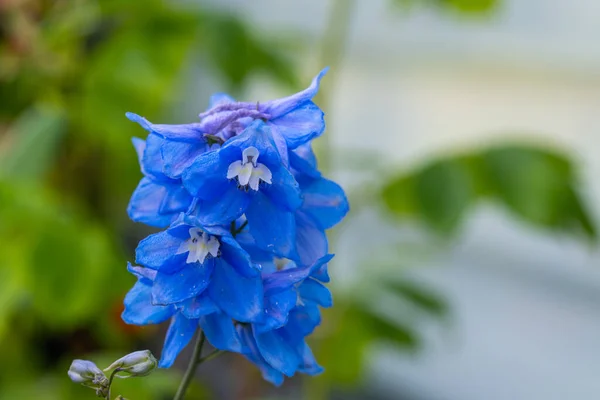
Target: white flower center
(199,246)
(248,171)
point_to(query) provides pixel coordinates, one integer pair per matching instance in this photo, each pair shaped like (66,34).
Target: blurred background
(464,131)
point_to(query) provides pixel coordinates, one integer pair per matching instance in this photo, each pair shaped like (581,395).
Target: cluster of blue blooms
(244,254)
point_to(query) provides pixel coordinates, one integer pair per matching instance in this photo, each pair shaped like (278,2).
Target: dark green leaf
(537,184)
(534,183)
(444,191)
(424,298)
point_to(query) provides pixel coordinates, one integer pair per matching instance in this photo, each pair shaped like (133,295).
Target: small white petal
(250,155)
(195,233)
(213,246)
(254,181)
(234,169)
(201,253)
(183,247)
(263,173)
(192,256)
(245,174)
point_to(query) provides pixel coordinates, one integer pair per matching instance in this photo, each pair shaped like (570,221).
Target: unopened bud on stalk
(88,374)
(138,363)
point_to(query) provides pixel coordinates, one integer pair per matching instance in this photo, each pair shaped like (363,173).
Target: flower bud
(138,363)
(88,374)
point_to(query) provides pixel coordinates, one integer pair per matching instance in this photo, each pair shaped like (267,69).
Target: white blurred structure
(526,305)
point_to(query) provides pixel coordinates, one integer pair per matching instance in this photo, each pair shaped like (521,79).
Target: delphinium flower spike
(244,254)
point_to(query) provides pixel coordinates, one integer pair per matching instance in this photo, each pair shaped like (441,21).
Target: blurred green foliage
(536,184)
(464,7)
(69,70)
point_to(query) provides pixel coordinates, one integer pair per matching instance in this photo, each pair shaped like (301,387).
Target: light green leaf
(33,141)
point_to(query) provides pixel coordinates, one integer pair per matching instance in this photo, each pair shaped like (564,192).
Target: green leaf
(534,183)
(33,142)
(342,353)
(341,350)
(467,7)
(384,329)
(444,191)
(399,196)
(537,184)
(470,6)
(424,298)
(440,194)
(135,69)
(65,260)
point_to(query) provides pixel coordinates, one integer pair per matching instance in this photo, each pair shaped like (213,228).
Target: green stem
(110,381)
(209,357)
(191,369)
(332,51)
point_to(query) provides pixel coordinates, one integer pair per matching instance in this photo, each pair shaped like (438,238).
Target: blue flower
(246,176)
(181,143)
(245,253)
(276,344)
(194,263)
(158,199)
(294,120)
(141,310)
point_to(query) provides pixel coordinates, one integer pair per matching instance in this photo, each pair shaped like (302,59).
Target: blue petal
(309,363)
(325,201)
(311,290)
(157,250)
(139,309)
(303,166)
(237,257)
(277,352)
(277,309)
(303,321)
(302,124)
(145,204)
(311,243)
(220,98)
(281,145)
(206,178)
(176,200)
(241,298)
(273,229)
(214,230)
(253,355)
(184,132)
(182,285)
(220,332)
(179,335)
(152,159)
(284,190)
(140,146)
(257,134)
(178,156)
(260,258)
(282,106)
(197,306)
(282,280)
(146,275)
(229,207)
